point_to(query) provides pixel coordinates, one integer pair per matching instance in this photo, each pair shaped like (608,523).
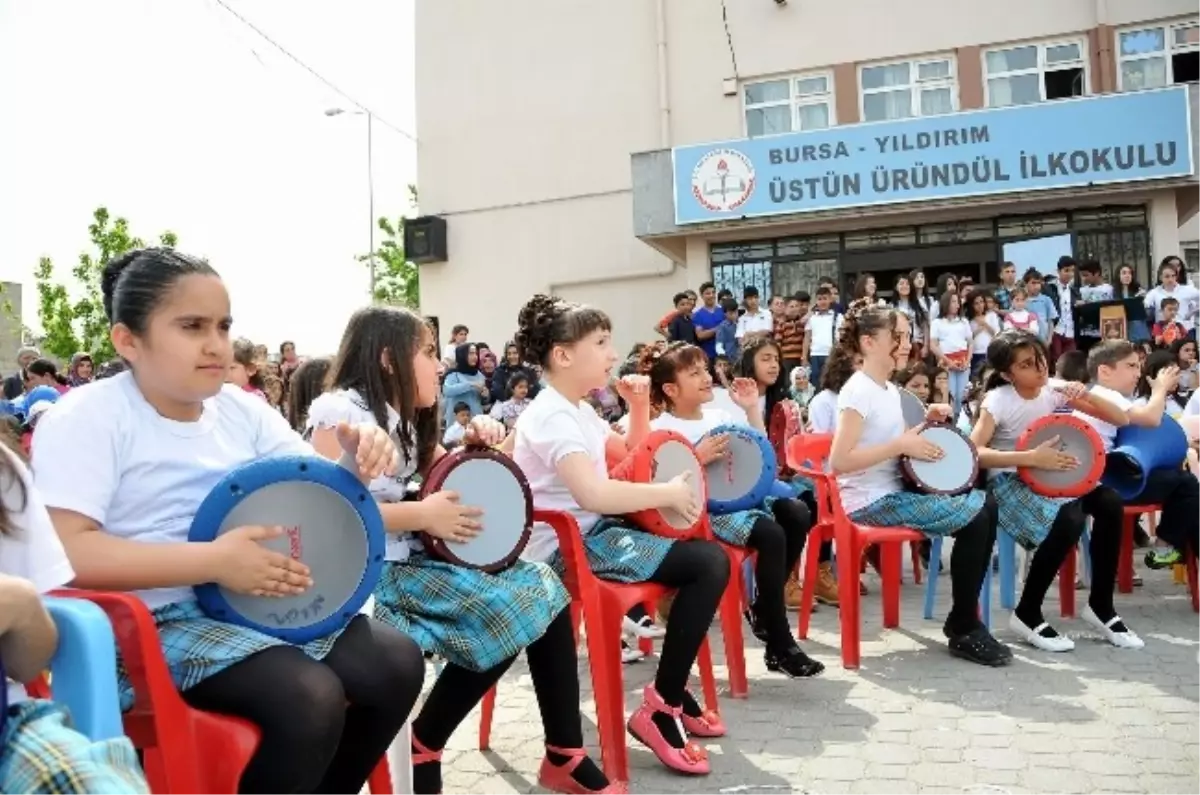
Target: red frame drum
(1077,438)
(660,457)
(486,479)
(785,423)
(954,473)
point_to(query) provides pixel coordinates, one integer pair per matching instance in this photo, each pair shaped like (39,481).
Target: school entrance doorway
(976,260)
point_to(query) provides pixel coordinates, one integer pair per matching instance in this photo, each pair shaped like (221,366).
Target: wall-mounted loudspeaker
(425,239)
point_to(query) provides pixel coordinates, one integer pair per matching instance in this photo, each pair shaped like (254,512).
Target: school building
(617,151)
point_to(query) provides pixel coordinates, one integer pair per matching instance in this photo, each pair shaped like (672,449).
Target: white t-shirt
(883,420)
(981,341)
(951,335)
(1021,319)
(104,452)
(348,406)
(822,328)
(1013,414)
(1189,303)
(551,429)
(1066,321)
(750,322)
(33,552)
(1108,433)
(1193,405)
(693,430)
(822,412)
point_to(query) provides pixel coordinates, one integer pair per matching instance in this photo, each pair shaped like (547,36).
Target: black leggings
(779,544)
(552,666)
(324,725)
(700,572)
(969,562)
(810,501)
(1178,492)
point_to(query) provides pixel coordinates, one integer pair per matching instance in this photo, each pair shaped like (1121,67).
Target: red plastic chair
(1125,561)
(851,540)
(184,750)
(1193,579)
(730,611)
(602,605)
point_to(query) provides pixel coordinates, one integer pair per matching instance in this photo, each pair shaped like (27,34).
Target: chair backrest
(809,455)
(83,671)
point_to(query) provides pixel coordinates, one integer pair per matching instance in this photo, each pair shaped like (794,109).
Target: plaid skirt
(40,752)
(471,618)
(800,485)
(932,514)
(196,646)
(619,551)
(1024,515)
(734,528)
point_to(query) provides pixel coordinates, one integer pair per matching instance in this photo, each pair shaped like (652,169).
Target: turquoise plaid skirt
(932,514)
(196,646)
(40,752)
(617,550)
(471,618)
(1025,516)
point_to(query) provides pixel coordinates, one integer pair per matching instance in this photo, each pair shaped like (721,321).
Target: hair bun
(533,326)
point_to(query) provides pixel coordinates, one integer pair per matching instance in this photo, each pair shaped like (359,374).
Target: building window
(922,87)
(1159,56)
(1032,73)
(788,104)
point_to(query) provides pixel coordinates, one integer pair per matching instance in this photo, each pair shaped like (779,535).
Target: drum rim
(250,478)
(437,477)
(640,471)
(1084,484)
(766,479)
(906,465)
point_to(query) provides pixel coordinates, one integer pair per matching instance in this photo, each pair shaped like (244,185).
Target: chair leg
(914,550)
(1125,561)
(985,598)
(646,645)
(812,563)
(935,568)
(890,556)
(848,609)
(731,630)
(487,709)
(1007,550)
(1193,579)
(604,658)
(1066,585)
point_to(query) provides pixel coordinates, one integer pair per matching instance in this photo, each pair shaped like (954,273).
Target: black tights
(323,725)
(810,501)
(969,562)
(779,544)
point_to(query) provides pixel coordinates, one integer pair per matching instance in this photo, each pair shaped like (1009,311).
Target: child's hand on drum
(1047,456)
(448,519)
(372,448)
(634,389)
(485,431)
(683,498)
(938,412)
(1072,390)
(712,448)
(744,392)
(916,446)
(247,567)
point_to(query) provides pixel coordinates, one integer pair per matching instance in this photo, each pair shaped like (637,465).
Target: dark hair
(515,380)
(679,297)
(109,369)
(860,285)
(865,322)
(826,281)
(1007,264)
(707,286)
(969,309)
(1032,275)
(243,354)
(1107,353)
(723,293)
(749,291)
(44,367)
(824,289)
(546,321)
(744,367)
(459,328)
(1066,261)
(802,296)
(373,333)
(1089,266)
(837,370)
(902,377)
(944,304)
(134,283)
(284,344)
(943,284)
(1002,354)
(1072,366)
(663,368)
(1134,286)
(1154,362)
(1178,344)
(915,304)
(460,406)
(729,305)
(1168,301)
(1173,261)
(307,382)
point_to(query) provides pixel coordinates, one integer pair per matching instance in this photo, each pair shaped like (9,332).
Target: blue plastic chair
(1007,548)
(83,671)
(935,566)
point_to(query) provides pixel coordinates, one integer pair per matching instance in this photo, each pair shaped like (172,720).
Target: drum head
(913,408)
(487,481)
(955,471)
(332,525)
(1076,438)
(672,458)
(742,470)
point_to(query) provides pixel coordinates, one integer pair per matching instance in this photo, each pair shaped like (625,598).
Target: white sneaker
(629,653)
(1034,637)
(642,628)
(1122,640)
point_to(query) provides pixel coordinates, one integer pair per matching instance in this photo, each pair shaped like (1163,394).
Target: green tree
(72,318)
(397,281)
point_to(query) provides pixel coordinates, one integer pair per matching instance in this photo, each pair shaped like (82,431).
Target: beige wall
(528,111)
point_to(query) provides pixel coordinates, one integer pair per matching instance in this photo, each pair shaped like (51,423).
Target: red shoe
(709,724)
(691,759)
(557,778)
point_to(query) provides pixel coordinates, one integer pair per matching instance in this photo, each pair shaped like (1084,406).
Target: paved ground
(913,719)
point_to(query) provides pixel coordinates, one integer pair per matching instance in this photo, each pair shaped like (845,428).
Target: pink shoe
(691,759)
(557,778)
(709,724)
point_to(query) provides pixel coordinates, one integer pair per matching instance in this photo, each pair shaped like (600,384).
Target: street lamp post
(370,189)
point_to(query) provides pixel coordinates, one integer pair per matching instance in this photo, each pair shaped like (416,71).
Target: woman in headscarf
(81,369)
(464,384)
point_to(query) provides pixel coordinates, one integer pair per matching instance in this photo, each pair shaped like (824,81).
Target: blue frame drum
(746,477)
(333,526)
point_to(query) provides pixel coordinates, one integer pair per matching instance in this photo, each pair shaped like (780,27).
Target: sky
(174,115)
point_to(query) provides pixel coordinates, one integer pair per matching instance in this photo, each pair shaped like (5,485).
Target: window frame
(1040,70)
(1168,27)
(915,86)
(793,102)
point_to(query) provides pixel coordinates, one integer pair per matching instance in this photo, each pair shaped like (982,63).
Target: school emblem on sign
(723,180)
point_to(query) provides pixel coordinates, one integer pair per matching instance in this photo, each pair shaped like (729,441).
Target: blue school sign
(1071,143)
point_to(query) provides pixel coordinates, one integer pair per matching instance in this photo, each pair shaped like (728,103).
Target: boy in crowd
(755,321)
(661,327)
(1187,297)
(727,341)
(1168,329)
(1040,304)
(681,328)
(820,334)
(790,332)
(1094,289)
(707,318)
(1008,283)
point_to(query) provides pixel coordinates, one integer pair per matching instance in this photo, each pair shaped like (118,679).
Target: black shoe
(979,646)
(756,626)
(794,663)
